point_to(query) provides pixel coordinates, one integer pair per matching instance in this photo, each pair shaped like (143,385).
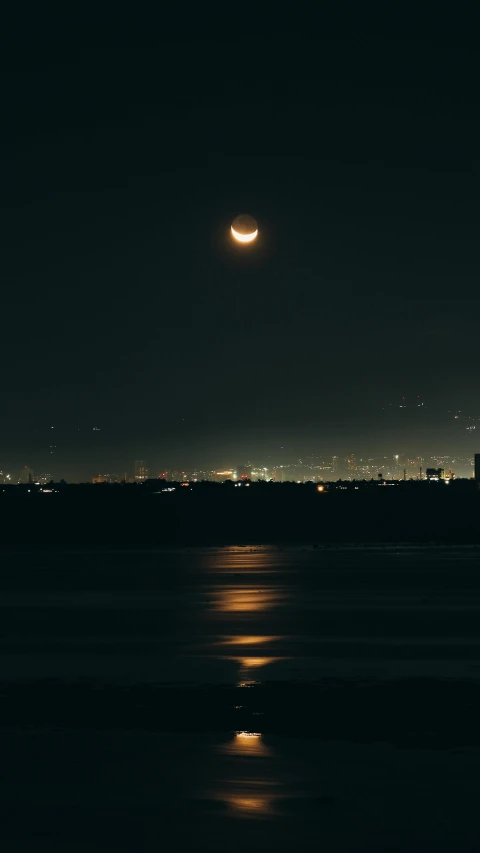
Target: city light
(323,473)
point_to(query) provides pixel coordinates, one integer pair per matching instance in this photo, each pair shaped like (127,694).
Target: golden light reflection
(258,660)
(248,663)
(256,560)
(249,744)
(253,661)
(246,599)
(247,735)
(249,787)
(248,640)
(251,805)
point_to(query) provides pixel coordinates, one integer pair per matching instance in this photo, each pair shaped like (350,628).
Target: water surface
(208,699)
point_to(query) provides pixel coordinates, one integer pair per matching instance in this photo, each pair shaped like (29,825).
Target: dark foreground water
(240,699)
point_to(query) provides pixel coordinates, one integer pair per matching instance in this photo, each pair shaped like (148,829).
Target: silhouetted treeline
(147,515)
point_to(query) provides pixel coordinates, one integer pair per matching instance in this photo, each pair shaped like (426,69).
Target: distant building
(200,476)
(141,471)
(477,467)
(397,466)
(351,467)
(42,477)
(244,471)
(173,475)
(26,475)
(435,474)
(259,474)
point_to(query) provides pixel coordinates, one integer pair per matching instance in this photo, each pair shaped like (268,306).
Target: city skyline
(411,426)
(301,469)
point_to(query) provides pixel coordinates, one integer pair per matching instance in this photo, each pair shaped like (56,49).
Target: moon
(244,228)
(244,238)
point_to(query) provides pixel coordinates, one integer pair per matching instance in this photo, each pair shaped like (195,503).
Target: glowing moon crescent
(244,238)
(244,228)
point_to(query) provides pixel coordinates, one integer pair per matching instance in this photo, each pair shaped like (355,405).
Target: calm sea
(240,698)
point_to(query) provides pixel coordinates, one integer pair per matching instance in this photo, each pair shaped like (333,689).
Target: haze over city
(411,433)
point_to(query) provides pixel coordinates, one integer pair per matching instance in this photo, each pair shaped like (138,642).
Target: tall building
(26,475)
(351,466)
(477,467)
(397,467)
(141,471)
(244,471)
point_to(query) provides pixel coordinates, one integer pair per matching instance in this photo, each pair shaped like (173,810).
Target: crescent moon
(244,238)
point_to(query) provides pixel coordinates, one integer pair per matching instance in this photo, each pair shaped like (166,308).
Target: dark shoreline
(91,517)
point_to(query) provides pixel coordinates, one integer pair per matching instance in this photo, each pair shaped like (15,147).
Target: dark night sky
(126,307)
